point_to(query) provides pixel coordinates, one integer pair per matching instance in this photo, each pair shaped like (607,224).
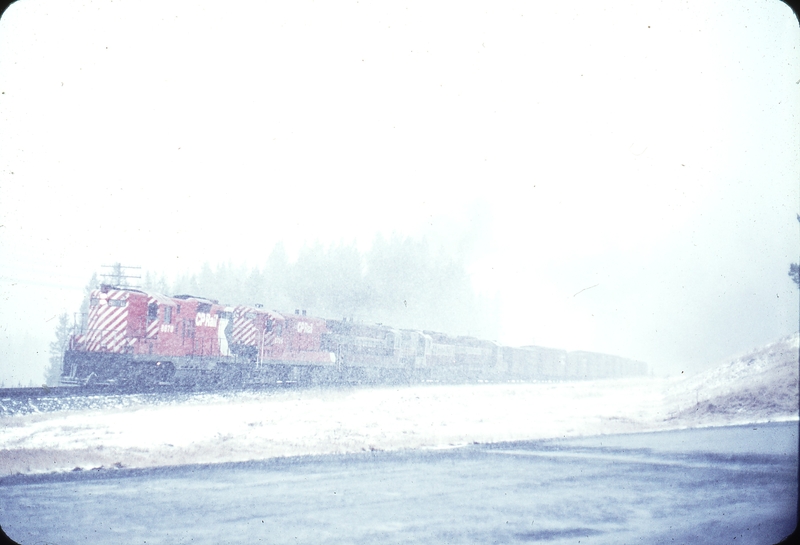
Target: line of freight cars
(136,339)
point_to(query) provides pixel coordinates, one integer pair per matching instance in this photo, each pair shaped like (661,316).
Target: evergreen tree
(93,284)
(147,281)
(345,290)
(161,285)
(206,282)
(57,348)
(405,282)
(307,279)
(253,287)
(186,284)
(276,279)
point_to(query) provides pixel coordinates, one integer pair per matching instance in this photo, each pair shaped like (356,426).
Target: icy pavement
(242,426)
(698,486)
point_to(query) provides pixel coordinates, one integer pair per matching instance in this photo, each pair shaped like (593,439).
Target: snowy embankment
(759,386)
(206,428)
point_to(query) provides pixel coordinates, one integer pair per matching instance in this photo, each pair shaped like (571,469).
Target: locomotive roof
(272,314)
(203,299)
(160,298)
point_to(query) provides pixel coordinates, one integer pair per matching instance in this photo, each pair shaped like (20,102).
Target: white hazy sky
(645,150)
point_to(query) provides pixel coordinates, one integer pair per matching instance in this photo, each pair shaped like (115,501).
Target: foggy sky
(625,172)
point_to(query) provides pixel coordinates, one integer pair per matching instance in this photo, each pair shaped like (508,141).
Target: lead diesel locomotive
(134,338)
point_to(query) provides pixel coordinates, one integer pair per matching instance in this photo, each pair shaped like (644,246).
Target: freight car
(135,339)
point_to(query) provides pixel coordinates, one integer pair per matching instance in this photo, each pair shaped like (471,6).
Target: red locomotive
(135,338)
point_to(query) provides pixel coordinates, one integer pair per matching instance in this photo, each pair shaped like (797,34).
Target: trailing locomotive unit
(135,338)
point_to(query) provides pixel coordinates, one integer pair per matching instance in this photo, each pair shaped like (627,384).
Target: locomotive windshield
(152,312)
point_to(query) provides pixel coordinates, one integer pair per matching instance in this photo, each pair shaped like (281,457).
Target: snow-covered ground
(212,428)
(758,386)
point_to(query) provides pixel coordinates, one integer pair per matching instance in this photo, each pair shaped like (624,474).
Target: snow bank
(213,428)
(755,387)
(247,426)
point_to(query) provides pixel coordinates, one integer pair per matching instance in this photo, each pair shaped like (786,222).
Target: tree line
(400,281)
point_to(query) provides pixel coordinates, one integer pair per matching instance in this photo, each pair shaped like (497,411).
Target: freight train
(136,339)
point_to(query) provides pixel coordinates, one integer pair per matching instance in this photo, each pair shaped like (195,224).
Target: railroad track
(22,401)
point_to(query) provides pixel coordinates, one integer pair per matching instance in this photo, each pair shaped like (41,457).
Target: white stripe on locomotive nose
(96,315)
(246,334)
(114,323)
(116,345)
(108,320)
(108,315)
(117,327)
(104,338)
(244,329)
(111,346)
(110,341)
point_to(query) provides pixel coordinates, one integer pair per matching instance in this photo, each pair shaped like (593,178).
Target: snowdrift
(214,428)
(755,387)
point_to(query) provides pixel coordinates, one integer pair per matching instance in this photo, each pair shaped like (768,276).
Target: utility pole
(119,275)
